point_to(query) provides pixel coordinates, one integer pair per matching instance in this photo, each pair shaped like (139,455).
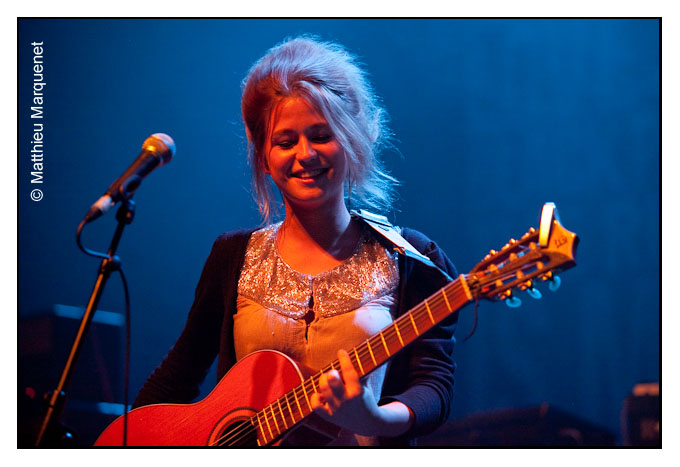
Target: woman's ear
(265,165)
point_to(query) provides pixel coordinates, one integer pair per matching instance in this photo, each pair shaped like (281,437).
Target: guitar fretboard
(281,415)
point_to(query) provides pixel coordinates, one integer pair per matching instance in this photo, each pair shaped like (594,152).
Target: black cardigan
(421,376)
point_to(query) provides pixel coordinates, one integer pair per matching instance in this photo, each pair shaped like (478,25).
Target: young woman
(322,280)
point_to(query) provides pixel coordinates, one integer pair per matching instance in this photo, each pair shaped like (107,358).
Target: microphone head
(162,145)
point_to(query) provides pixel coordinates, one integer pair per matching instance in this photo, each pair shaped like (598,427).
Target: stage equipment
(640,423)
(94,399)
(537,426)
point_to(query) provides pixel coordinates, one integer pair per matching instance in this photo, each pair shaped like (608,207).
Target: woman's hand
(353,406)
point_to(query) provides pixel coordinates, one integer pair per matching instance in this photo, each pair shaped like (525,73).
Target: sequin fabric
(370,273)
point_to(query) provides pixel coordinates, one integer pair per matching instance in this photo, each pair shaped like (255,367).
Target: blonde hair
(329,78)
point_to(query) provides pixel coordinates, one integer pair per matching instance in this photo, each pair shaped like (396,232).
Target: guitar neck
(289,410)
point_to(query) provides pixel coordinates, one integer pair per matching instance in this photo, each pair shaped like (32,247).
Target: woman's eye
(323,138)
(285,144)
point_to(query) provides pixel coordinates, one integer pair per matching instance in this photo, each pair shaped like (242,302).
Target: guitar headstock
(537,256)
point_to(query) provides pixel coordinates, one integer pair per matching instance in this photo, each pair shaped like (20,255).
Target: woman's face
(303,156)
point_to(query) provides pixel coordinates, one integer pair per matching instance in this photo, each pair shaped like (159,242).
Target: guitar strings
(244,430)
(418,313)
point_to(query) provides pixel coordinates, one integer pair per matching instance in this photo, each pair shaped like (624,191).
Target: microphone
(157,150)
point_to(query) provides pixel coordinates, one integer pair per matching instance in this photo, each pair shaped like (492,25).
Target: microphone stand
(110,263)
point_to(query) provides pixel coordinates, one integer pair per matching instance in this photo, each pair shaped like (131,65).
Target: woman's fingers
(343,400)
(317,402)
(352,384)
(335,390)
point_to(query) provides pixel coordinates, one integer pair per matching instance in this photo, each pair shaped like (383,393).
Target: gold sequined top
(370,273)
(351,302)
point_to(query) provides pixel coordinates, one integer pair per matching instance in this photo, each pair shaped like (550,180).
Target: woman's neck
(324,227)
(314,241)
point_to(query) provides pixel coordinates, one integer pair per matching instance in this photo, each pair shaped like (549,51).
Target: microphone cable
(126,384)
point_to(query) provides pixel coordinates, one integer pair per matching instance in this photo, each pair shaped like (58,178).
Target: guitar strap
(393,234)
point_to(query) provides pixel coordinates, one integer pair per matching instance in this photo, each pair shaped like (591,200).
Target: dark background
(492,118)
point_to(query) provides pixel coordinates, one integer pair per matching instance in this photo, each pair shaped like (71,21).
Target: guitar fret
(370,351)
(415,328)
(297,402)
(290,411)
(393,341)
(385,344)
(283,417)
(361,367)
(313,386)
(398,333)
(448,305)
(252,422)
(304,390)
(429,312)
(259,423)
(268,426)
(274,417)
(465,286)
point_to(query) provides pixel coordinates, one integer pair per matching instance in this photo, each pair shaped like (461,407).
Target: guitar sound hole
(240,433)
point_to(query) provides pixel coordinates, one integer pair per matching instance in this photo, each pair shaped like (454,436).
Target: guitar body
(253,383)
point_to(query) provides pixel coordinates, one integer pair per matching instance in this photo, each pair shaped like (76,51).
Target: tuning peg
(554,283)
(534,293)
(513,302)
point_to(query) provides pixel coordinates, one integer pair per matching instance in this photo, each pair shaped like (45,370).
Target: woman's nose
(306,150)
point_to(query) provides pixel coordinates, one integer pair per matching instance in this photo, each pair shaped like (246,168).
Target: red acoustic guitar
(277,408)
